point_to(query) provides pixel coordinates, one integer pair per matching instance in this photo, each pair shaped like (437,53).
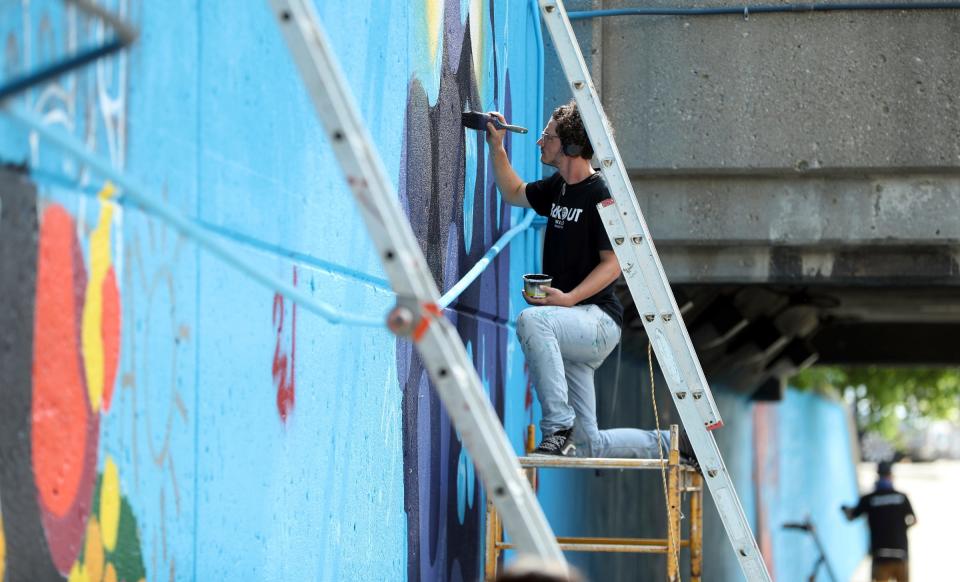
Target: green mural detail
(125,559)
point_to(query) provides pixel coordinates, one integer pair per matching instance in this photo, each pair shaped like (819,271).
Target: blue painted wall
(809,471)
(251,439)
(241,437)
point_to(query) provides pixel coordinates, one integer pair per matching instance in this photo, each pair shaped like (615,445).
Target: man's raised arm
(511,186)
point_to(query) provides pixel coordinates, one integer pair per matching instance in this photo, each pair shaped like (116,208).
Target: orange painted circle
(59,409)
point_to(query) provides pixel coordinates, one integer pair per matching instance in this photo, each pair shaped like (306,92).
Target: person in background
(889,514)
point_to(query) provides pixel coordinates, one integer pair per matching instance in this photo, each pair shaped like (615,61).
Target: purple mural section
(442,496)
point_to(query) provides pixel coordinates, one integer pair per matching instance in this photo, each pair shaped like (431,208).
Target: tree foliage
(887,397)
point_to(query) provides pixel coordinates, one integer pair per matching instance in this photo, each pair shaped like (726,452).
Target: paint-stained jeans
(563,346)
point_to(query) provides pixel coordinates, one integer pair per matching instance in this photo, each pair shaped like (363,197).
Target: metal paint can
(533,285)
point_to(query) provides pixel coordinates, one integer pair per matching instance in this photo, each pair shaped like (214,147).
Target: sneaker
(559,444)
(687,456)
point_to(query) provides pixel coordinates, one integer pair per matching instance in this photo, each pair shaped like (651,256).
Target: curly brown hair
(570,129)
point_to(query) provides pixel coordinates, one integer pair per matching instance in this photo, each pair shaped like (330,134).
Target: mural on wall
(25,555)
(65,419)
(66,515)
(110,332)
(451,200)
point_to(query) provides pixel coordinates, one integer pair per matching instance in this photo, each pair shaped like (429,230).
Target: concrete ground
(932,488)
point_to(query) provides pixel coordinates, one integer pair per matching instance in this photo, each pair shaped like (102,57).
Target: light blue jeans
(563,347)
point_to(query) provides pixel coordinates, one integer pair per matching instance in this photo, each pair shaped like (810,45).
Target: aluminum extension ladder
(651,292)
(416,313)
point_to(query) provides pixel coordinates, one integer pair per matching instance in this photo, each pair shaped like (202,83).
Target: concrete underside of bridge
(800,176)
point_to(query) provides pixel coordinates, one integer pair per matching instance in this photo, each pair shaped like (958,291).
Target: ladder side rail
(703,442)
(441,349)
(639,260)
(662,329)
(658,297)
(405,266)
(649,286)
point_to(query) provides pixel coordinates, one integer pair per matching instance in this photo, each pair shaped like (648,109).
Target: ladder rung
(623,545)
(596,463)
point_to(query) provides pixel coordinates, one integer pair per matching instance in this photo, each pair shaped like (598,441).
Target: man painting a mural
(569,331)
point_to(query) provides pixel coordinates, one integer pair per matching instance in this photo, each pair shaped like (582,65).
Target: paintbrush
(479,121)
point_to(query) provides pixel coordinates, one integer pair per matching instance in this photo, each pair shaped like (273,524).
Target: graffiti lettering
(284,365)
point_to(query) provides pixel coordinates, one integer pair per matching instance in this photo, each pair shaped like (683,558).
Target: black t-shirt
(887,511)
(575,235)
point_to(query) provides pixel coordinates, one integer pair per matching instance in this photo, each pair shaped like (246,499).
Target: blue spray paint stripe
(471,275)
(326,267)
(133,192)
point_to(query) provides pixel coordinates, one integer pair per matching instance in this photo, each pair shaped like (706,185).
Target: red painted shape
(63,430)
(110,330)
(65,535)
(59,413)
(284,366)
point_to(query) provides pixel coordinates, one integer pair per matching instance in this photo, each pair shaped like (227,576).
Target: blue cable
(24,82)
(124,37)
(451,295)
(133,193)
(53,178)
(763,9)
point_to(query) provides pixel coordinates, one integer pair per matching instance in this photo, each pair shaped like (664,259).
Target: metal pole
(673,507)
(696,529)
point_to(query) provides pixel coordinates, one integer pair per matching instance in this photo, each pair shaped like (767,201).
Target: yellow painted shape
(78,573)
(93,550)
(434,14)
(109,573)
(109,504)
(92,323)
(478,26)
